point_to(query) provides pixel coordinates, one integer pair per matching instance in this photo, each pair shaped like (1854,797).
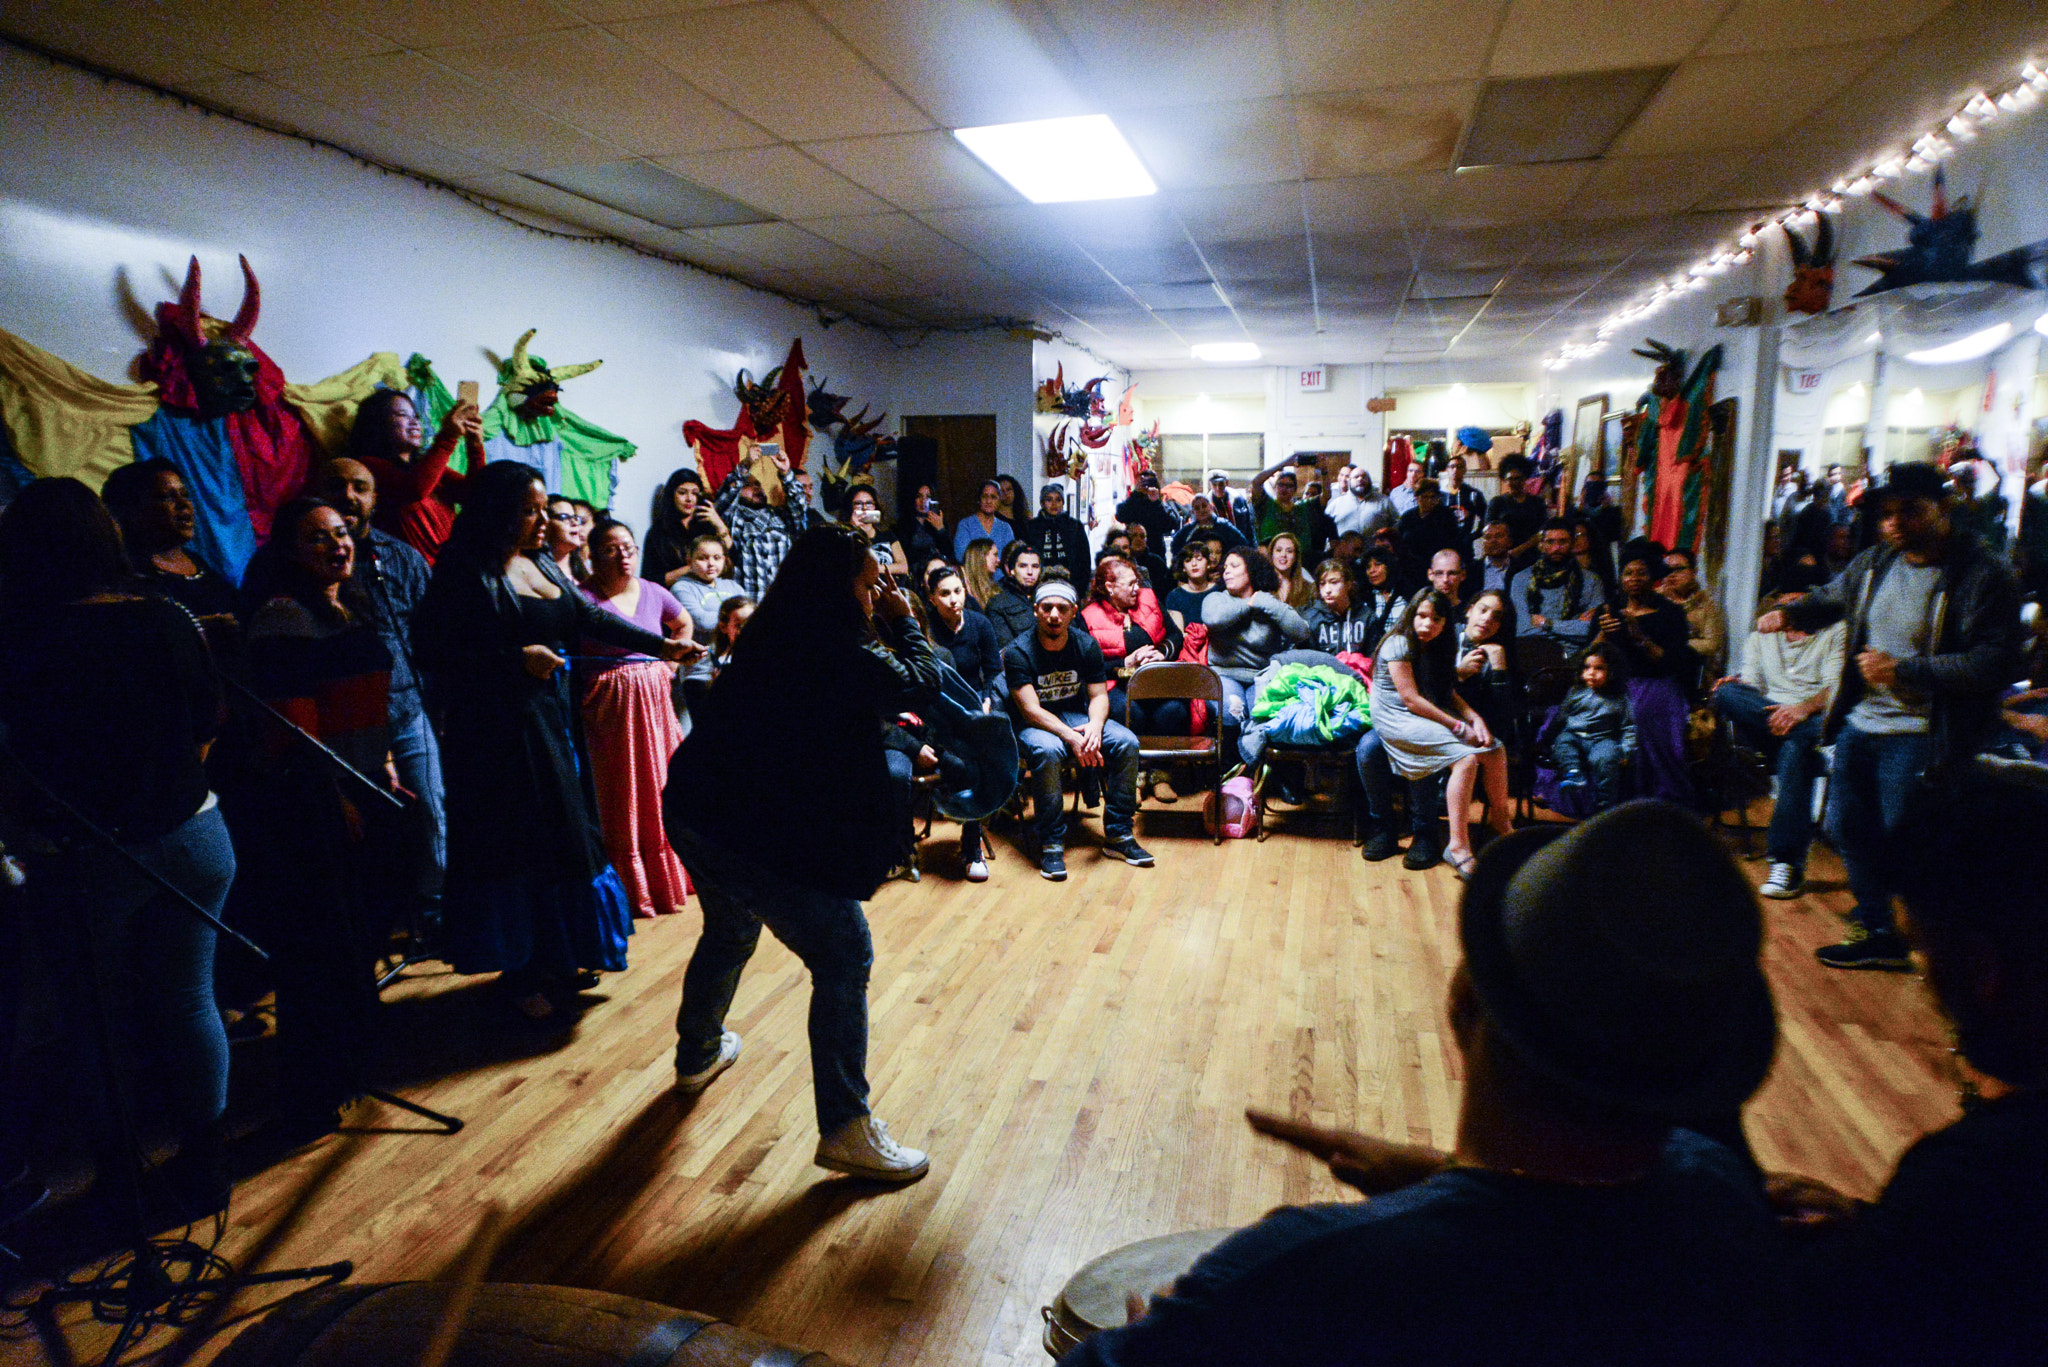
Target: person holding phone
(418,493)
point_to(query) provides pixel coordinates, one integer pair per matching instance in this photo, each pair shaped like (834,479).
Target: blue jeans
(1795,758)
(149,950)
(1599,758)
(1042,753)
(1873,776)
(902,773)
(418,757)
(1238,727)
(830,935)
(1376,777)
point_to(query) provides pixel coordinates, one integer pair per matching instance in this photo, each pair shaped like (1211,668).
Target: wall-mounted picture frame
(1586,429)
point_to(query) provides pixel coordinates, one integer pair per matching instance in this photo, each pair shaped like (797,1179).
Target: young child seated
(732,617)
(1592,735)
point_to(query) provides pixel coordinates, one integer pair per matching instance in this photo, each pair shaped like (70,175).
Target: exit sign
(1312,379)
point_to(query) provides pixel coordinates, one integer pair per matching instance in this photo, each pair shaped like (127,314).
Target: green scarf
(1545,578)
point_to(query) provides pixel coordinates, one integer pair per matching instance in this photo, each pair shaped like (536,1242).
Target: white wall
(1108,479)
(104,186)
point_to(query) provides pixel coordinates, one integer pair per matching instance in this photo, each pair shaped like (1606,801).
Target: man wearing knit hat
(1610,1000)
(1059,693)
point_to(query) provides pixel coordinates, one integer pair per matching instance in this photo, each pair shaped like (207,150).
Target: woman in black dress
(529,894)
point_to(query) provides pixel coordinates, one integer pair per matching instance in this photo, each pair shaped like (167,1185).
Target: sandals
(1461,864)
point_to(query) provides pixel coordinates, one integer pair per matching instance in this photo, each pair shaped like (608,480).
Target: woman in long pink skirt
(630,726)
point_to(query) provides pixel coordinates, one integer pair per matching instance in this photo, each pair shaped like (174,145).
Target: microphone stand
(358,781)
(155,1282)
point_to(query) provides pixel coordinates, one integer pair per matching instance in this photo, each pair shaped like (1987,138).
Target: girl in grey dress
(1427,727)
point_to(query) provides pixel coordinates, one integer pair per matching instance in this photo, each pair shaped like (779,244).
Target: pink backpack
(1240,809)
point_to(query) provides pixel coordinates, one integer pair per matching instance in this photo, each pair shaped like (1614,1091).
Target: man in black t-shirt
(1521,510)
(1059,691)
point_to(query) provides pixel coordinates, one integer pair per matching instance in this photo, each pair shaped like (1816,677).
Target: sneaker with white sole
(690,1084)
(862,1148)
(1786,882)
(977,870)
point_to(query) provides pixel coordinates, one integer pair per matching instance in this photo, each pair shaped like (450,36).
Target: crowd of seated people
(483,706)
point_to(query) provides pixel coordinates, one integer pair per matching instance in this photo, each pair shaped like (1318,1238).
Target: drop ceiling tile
(781,180)
(721,51)
(1455,284)
(405,91)
(1135,266)
(1359,254)
(651,192)
(1567,279)
(1481,195)
(1175,54)
(258,100)
(1381,132)
(1774,25)
(1381,291)
(968,62)
(259,35)
(1547,37)
(1743,100)
(611,11)
(1246,142)
(593,81)
(1365,203)
(898,241)
(1201,324)
(787,246)
(1005,236)
(1359,44)
(1582,241)
(916,171)
(1241,213)
(429,23)
(1283,258)
(1625,187)
(1270,294)
(1200,295)
(115,34)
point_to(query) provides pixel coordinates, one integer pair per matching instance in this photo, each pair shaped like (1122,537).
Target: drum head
(1093,1298)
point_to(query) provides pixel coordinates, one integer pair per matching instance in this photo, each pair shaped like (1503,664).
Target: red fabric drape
(718,452)
(796,427)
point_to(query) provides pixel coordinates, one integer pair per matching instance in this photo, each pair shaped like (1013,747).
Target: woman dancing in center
(831,654)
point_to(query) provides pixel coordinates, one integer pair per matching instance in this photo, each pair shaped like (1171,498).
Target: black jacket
(1060,541)
(1977,645)
(806,730)
(1010,611)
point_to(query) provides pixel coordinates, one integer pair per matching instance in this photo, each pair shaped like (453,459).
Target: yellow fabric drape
(329,406)
(63,421)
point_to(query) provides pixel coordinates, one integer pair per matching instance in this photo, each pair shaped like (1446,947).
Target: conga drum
(1093,1298)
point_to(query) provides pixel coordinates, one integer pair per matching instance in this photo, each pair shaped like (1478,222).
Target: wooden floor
(1077,1059)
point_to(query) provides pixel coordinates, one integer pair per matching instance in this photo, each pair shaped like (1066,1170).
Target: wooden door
(966,458)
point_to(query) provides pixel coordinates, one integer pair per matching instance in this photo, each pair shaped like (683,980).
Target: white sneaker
(1785,883)
(690,1084)
(863,1148)
(977,870)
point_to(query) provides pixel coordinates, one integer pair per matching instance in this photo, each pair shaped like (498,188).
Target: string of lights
(1927,151)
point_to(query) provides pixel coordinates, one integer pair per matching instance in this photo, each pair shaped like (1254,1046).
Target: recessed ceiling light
(1060,161)
(1225,351)
(1968,349)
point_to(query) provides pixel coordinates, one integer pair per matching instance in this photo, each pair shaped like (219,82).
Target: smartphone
(465,392)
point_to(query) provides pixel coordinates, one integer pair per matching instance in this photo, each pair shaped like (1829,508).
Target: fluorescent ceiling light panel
(1060,161)
(2041,325)
(1226,351)
(1968,349)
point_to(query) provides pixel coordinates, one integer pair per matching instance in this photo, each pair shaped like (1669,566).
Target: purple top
(658,607)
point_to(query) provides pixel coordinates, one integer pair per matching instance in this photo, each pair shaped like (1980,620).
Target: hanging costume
(1671,452)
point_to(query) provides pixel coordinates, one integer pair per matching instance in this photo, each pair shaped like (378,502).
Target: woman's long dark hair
(1258,569)
(274,572)
(370,436)
(58,544)
(809,607)
(493,503)
(1504,637)
(1435,662)
(665,526)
